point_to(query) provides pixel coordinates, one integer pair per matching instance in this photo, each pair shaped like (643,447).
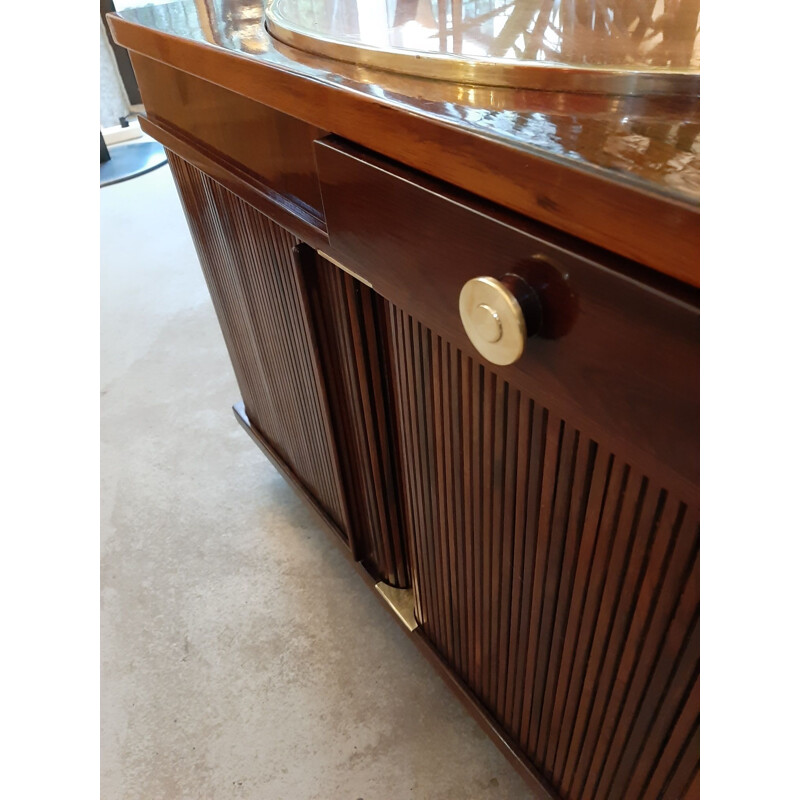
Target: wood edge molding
(659,232)
(277,207)
(510,751)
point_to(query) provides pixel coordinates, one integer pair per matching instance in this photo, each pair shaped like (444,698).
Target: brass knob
(498,316)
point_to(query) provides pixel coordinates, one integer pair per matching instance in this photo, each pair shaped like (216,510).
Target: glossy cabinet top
(652,143)
(606,46)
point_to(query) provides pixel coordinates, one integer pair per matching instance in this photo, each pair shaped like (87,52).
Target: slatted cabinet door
(559,581)
(352,327)
(252,269)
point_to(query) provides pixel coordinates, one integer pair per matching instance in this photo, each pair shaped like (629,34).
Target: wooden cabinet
(552,568)
(541,518)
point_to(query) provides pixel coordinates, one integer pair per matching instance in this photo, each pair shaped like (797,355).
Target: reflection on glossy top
(620,34)
(650,142)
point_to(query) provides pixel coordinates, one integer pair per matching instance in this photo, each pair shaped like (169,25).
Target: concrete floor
(242,657)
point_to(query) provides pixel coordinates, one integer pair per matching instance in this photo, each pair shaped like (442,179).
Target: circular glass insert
(609,46)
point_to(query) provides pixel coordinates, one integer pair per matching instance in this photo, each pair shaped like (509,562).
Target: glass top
(618,46)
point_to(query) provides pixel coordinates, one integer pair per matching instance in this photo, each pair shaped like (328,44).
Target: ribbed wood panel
(560,583)
(253,277)
(352,329)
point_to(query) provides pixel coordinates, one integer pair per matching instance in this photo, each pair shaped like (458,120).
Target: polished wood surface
(560,582)
(275,147)
(621,173)
(241,182)
(619,354)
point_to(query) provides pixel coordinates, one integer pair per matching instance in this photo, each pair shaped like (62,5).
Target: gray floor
(242,657)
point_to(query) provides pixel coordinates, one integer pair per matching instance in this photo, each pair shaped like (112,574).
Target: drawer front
(620,357)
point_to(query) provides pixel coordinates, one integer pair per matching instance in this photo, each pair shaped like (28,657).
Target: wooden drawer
(622,360)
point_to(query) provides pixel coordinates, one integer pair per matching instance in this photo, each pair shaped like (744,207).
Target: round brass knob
(496,316)
(487,323)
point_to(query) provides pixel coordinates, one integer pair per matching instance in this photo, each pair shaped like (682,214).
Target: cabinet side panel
(351,327)
(250,267)
(558,580)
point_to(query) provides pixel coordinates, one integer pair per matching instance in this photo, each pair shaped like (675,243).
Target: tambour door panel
(253,274)
(351,322)
(557,578)
(621,354)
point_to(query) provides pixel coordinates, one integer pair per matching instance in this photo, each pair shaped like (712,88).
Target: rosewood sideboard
(464,321)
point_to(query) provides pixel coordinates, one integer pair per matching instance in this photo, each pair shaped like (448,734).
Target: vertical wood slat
(559,582)
(400,388)
(251,269)
(351,323)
